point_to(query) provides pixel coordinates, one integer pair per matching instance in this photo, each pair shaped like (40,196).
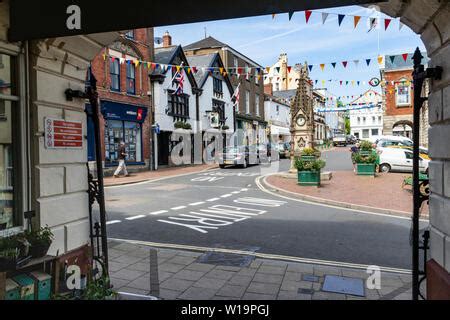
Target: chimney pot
(167,40)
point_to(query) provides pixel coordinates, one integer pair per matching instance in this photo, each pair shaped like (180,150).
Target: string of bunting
(372,21)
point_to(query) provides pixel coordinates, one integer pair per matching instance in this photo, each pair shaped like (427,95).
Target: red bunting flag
(289,69)
(405,56)
(387,22)
(308,15)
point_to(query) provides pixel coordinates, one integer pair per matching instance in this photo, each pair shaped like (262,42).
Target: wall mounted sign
(61,134)
(50,19)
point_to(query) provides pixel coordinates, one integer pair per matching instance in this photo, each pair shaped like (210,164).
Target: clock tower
(302,116)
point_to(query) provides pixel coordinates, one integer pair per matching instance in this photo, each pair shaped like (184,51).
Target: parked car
(398,139)
(239,156)
(284,150)
(340,140)
(351,139)
(423,152)
(396,159)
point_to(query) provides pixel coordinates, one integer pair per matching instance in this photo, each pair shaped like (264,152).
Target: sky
(264,38)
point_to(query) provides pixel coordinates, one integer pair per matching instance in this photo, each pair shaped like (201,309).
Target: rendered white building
(367,122)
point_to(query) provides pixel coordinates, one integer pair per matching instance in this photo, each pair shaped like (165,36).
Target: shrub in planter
(366,164)
(182,125)
(309,171)
(9,253)
(40,241)
(310,154)
(99,290)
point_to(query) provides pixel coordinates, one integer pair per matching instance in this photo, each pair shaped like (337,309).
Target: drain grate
(305,291)
(226,259)
(343,285)
(310,278)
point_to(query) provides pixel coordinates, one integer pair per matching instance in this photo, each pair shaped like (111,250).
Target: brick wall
(391,106)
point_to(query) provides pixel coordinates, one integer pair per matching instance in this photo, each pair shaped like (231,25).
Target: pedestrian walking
(354,150)
(269,152)
(122,156)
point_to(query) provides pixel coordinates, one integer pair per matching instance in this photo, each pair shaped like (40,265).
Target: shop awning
(39,19)
(282,131)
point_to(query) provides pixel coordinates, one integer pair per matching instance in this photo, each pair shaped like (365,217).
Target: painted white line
(244,190)
(265,256)
(135,217)
(263,189)
(197,203)
(213,199)
(113,222)
(226,196)
(178,208)
(236,192)
(158,212)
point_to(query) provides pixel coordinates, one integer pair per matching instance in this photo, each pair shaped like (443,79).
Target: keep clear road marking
(158,212)
(218,216)
(135,218)
(113,222)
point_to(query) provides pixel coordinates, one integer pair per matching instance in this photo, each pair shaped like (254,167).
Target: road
(225,209)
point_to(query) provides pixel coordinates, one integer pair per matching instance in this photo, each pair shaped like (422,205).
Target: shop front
(124,123)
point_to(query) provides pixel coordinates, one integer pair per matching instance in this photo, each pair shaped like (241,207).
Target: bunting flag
(344,63)
(392,58)
(340,18)
(387,22)
(289,69)
(368,61)
(278,69)
(356,20)
(310,68)
(405,56)
(322,66)
(324,17)
(334,65)
(308,15)
(290,15)
(380,59)
(373,24)
(400,26)
(356,62)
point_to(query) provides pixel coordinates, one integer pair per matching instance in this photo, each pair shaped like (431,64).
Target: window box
(365,169)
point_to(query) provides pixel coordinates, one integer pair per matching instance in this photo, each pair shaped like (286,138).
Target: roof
(165,55)
(212,43)
(285,94)
(396,62)
(209,42)
(207,61)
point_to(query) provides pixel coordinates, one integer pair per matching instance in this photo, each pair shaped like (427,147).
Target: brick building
(398,99)
(125,100)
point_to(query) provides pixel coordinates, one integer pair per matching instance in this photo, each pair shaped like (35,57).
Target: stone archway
(403,128)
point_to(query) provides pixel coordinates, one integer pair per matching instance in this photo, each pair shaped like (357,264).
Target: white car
(401,160)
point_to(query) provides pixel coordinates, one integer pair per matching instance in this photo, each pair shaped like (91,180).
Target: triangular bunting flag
(344,63)
(334,65)
(356,20)
(316,81)
(340,82)
(392,58)
(290,15)
(322,66)
(405,56)
(308,15)
(310,67)
(368,61)
(268,69)
(373,23)
(340,18)
(380,59)
(400,25)
(278,69)
(387,22)
(359,82)
(289,69)
(356,62)
(324,17)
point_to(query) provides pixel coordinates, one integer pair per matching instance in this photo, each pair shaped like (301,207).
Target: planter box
(309,178)
(365,169)
(365,153)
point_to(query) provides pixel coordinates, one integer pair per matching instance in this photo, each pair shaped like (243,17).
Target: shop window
(131,79)
(114,71)
(403,96)
(129,132)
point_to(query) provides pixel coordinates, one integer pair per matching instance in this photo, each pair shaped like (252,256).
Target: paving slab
(183,260)
(220,274)
(210,283)
(264,288)
(258,296)
(168,294)
(272,270)
(189,275)
(171,267)
(127,274)
(176,284)
(200,267)
(133,290)
(292,295)
(232,291)
(240,280)
(140,266)
(268,278)
(194,293)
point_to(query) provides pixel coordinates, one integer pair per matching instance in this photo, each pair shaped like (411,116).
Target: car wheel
(385,168)
(222,166)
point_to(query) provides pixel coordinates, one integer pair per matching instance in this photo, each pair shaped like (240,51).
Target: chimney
(268,89)
(167,40)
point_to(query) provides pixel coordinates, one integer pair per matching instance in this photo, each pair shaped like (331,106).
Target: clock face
(301,121)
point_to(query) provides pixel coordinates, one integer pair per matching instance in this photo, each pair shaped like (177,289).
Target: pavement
(383,194)
(156,175)
(170,274)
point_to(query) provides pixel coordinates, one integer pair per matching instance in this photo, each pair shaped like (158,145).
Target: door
(163,148)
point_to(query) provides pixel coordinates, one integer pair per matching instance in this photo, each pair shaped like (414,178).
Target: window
(366,134)
(217,86)
(364,120)
(114,71)
(130,34)
(409,155)
(10,210)
(403,97)
(379,120)
(178,106)
(129,132)
(359,120)
(236,62)
(131,78)
(374,132)
(219,107)
(247,102)
(257,104)
(277,86)
(374,120)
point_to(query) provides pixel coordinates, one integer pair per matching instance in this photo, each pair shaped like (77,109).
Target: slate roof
(206,60)
(209,42)
(285,94)
(400,64)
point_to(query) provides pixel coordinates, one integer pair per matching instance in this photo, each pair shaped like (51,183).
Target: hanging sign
(61,134)
(374,82)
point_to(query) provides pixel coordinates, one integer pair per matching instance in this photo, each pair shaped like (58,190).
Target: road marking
(226,196)
(244,190)
(178,208)
(264,256)
(263,189)
(236,192)
(213,199)
(113,222)
(197,203)
(158,212)
(135,218)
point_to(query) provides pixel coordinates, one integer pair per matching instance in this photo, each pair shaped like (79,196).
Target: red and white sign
(63,134)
